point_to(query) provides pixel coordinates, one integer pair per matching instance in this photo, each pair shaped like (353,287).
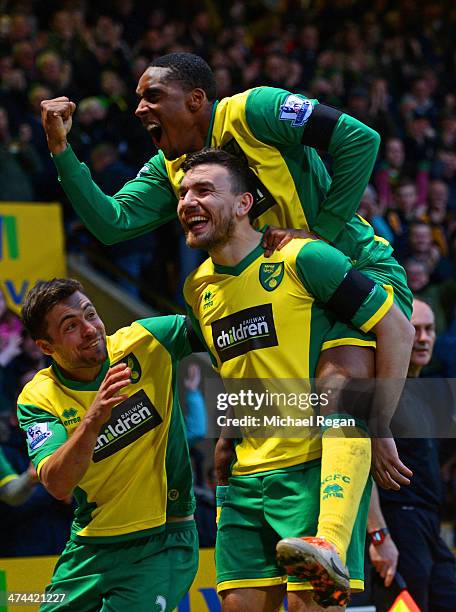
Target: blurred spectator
(10,332)
(420,140)
(46,189)
(369,210)
(55,73)
(418,279)
(422,247)
(64,37)
(19,162)
(380,112)
(196,424)
(90,127)
(27,363)
(10,347)
(447,131)
(405,211)
(444,168)
(195,419)
(15,489)
(24,59)
(391,171)
(135,255)
(437,215)
(411,516)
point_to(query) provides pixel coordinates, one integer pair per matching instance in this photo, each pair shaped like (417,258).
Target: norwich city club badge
(271,275)
(132,362)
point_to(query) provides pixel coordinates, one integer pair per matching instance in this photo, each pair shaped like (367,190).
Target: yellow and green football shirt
(267,319)
(276,132)
(124,492)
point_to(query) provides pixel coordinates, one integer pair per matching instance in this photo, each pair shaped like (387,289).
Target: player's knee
(346,362)
(347,371)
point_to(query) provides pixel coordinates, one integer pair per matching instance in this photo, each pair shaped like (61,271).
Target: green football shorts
(148,574)
(391,275)
(258,511)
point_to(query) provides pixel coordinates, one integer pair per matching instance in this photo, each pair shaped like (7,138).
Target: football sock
(345,466)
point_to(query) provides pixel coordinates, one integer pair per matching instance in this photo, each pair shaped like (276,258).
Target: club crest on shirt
(132,362)
(271,275)
(296,110)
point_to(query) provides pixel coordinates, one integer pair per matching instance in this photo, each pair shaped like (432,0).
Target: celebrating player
(104,422)
(279,488)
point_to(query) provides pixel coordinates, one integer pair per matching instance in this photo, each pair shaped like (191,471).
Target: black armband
(350,294)
(320,127)
(194,340)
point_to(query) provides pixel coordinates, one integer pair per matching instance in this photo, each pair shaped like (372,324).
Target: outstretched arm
(142,204)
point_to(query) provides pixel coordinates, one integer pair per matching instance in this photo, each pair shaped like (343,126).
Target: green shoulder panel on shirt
(321,269)
(171,332)
(45,432)
(272,117)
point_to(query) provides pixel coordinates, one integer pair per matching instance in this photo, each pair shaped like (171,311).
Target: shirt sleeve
(45,432)
(328,275)
(143,204)
(281,118)
(172,332)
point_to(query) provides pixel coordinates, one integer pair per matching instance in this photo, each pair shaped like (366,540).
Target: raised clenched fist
(56,117)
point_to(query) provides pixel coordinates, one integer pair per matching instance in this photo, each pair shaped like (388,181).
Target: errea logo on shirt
(208,299)
(247,330)
(71,416)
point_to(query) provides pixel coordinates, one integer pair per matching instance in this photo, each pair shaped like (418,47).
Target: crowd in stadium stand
(389,64)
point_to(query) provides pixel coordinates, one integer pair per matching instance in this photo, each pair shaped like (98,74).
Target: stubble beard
(217,239)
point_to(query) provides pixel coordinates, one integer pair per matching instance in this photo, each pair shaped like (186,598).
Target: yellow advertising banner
(31,247)
(29,576)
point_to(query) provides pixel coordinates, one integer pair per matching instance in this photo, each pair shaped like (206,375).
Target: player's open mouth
(197,222)
(155,130)
(92,345)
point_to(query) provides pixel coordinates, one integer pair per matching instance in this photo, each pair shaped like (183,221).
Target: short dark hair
(41,298)
(237,168)
(190,70)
